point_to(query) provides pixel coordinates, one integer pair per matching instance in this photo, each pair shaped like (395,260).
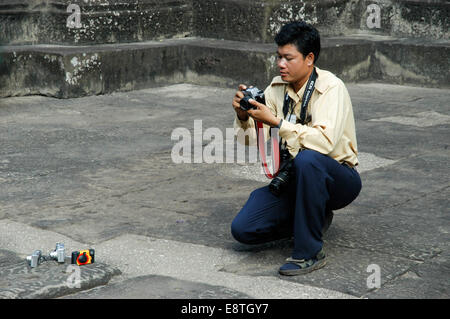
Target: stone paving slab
(9,258)
(197,270)
(50,279)
(140,255)
(97,171)
(158,287)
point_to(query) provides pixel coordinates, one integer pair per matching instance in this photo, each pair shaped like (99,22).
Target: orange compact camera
(83,257)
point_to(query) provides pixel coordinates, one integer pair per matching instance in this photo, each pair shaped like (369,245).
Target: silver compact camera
(59,253)
(35,259)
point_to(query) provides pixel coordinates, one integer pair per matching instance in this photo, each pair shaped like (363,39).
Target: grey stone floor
(98,172)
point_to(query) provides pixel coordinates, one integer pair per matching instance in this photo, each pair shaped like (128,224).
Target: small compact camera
(35,259)
(59,253)
(83,257)
(252,93)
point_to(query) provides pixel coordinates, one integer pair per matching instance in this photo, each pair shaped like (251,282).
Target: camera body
(83,257)
(59,253)
(279,182)
(35,259)
(252,93)
(282,179)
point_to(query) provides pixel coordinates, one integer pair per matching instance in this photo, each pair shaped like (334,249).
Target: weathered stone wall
(73,71)
(101,21)
(127,45)
(116,21)
(259,20)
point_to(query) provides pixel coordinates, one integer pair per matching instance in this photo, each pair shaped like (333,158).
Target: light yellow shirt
(331,130)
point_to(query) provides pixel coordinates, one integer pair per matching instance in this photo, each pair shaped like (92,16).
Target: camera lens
(274,187)
(282,179)
(82,258)
(277,184)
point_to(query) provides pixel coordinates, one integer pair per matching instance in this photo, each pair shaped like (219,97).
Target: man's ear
(310,59)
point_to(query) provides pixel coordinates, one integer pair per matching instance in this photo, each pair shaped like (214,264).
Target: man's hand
(241,114)
(263,114)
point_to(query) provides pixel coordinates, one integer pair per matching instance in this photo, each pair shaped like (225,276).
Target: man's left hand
(263,114)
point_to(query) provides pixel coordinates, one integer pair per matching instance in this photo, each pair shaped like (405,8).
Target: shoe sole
(295,272)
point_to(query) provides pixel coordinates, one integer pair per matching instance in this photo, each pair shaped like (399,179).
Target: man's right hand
(241,114)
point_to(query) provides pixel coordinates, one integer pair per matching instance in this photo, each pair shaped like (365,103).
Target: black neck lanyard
(288,103)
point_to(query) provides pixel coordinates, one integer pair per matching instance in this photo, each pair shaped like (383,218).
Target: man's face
(294,67)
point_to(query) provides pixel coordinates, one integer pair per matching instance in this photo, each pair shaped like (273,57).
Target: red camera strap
(262,151)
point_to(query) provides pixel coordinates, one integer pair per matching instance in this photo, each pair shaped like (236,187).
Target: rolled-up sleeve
(245,131)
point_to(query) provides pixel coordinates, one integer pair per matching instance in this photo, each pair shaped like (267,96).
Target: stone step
(249,20)
(74,71)
(158,287)
(100,21)
(51,280)
(113,21)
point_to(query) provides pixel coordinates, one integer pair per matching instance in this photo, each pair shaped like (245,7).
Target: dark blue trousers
(319,185)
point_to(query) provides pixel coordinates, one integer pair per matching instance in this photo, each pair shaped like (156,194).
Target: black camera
(282,179)
(252,93)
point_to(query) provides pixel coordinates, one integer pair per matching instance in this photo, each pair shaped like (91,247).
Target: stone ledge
(49,279)
(108,21)
(158,287)
(73,71)
(38,21)
(258,21)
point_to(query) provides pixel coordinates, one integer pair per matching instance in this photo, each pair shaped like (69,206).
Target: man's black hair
(301,34)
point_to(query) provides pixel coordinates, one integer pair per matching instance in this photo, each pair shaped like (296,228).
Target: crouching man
(313,112)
